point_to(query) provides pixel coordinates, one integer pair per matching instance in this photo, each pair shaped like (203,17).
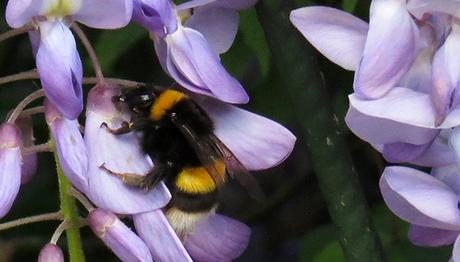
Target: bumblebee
(178,135)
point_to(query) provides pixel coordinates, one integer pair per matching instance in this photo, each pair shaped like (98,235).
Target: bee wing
(237,170)
(208,154)
(210,151)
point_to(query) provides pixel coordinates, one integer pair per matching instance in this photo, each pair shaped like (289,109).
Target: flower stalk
(18,31)
(333,166)
(70,213)
(32,219)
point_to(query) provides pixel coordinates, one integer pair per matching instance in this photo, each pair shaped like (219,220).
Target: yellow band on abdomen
(164,102)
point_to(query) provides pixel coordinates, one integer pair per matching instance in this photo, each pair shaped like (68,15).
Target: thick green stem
(70,213)
(338,181)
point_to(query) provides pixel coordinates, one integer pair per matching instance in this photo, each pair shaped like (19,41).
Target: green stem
(70,213)
(338,181)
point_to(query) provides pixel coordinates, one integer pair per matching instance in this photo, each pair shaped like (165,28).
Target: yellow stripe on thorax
(164,102)
(197,179)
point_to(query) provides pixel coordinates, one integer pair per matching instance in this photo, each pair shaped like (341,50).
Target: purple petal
(51,253)
(218,238)
(70,147)
(158,16)
(446,75)
(391,47)
(10,166)
(105,14)
(194,3)
(420,198)
(438,154)
(420,7)
(236,4)
(60,68)
(337,35)
(456,251)
(449,175)
(155,230)
(190,54)
(407,116)
(217,24)
(29,161)
(431,237)
(118,237)
(120,154)
(454,143)
(258,142)
(403,152)
(20,12)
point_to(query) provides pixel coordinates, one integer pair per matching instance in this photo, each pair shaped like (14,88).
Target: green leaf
(349,5)
(113,44)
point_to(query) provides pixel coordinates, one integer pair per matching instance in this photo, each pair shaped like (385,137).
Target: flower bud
(118,237)
(29,161)
(51,253)
(10,166)
(70,146)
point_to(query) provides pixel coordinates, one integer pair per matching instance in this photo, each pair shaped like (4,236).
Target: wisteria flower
(428,202)
(51,253)
(120,154)
(29,160)
(189,52)
(410,75)
(10,166)
(57,58)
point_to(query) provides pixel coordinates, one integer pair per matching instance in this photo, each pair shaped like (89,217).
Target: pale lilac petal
(194,3)
(258,142)
(402,106)
(70,147)
(446,75)
(217,239)
(336,34)
(158,16)
(454,143)
(420,198)
(120,154)
(420,7)
(10,166)
(51,253)
(34,37)
(391,47)
(118,237)
(105,14)
(217,24)
(60,68)
(191,55)
(456,251)
(403,152)
(431,237)
(29,161)
(20,12)
(449,175)
(157,233)
(438,154)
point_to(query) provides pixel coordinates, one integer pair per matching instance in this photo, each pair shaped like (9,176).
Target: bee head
(138,100)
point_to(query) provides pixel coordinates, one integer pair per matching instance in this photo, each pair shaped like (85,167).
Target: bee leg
(160,172)
(129,179)
(124,129)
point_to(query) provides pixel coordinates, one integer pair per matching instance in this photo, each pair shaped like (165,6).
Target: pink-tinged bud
(10,166)
(51,253)
(29,161)
(118,237)
(119,154)
(70,146)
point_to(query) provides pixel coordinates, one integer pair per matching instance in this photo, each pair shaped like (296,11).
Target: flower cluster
(405,101)
(188,39)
